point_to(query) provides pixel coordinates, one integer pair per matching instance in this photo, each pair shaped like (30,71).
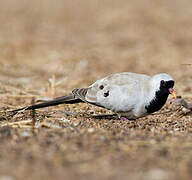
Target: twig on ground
(180,101)
(33,116)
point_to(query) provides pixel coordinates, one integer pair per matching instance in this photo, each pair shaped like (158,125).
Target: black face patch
(166,84)
(160,96)
(106,94)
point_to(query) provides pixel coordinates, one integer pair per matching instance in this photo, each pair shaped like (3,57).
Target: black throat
(158,102)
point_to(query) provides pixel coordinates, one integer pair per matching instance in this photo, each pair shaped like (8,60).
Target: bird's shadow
(105,116)
(108,116)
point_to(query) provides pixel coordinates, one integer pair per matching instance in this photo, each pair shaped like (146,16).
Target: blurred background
(81,41)
(75,43)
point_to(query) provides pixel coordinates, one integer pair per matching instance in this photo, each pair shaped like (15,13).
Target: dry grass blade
(52,85)
(187,64)
(18,123)
(166,112)
(18,96)
(49,125)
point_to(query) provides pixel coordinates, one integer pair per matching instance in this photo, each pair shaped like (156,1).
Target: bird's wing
(82,93)
(113,91)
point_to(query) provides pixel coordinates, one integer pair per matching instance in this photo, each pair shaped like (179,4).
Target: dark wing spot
(106,94)
(101,87)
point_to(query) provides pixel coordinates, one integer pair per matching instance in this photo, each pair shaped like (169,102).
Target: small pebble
(91,130)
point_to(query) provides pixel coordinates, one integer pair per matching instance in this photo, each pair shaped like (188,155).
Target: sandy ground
(70,44)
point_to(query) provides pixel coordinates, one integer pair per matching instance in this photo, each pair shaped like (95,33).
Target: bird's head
(163,83)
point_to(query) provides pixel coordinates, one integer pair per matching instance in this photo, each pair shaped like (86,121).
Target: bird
(129,95)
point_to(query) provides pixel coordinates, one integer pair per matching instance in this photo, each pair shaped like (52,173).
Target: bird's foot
(126,119)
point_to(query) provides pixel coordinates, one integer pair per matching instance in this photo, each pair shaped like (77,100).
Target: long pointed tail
(60,100)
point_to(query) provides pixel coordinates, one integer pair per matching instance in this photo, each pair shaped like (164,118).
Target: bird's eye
(162,83)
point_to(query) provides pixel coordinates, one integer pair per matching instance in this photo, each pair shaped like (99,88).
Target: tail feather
(60,100)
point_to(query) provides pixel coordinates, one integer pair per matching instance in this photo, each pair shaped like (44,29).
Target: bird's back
(117,92)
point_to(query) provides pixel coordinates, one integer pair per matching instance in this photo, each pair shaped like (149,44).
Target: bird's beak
(172,92)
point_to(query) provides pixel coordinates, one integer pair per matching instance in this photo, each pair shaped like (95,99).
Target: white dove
(129,95)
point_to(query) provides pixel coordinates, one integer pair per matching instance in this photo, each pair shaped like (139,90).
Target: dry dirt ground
(47,48)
